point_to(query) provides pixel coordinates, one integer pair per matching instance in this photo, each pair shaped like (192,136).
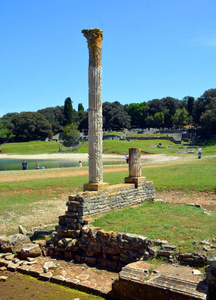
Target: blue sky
(151,49)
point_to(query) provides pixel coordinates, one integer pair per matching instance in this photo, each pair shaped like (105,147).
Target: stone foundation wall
(90,203)
(114,250)
(75,238)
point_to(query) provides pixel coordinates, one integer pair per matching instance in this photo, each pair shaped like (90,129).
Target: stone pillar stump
(135,173)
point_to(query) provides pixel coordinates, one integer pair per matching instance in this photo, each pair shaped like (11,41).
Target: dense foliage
(158,113)
(115,117)
(32,126)
(70,134)
(55,116)
(68,111)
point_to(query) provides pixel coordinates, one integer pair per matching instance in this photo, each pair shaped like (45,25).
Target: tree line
(166,112)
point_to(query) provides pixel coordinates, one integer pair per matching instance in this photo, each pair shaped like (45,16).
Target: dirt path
(52,173)
(205,199)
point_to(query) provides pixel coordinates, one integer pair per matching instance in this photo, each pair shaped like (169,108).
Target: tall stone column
(95,134)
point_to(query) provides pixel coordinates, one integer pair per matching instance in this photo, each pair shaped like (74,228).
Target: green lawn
(121,147)
(109,147)
(33,147)
(190,176)
(179,224)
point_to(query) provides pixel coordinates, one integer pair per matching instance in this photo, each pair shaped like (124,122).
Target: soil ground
(18,286)
(22,287)
(205,199)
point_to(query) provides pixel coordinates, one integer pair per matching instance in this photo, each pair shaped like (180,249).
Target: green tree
(208,96)
(170,106)
(183,117)
(82,120)
(208,119)
(190,105)
(167,105)
(175,118)
(31,126)
(159,119)
(199,108)
(115,116)
(149,121)
(9,120)
(70,134)
(55,116)
(202,103)
(68,111)
(5,133)
(80,107)
(138,113)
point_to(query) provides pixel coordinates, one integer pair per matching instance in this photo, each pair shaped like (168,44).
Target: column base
(139,181)
(95,186)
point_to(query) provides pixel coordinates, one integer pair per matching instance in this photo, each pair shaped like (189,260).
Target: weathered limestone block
(13,243)
(135,281)
(29,250)
(193,258)
(138,181)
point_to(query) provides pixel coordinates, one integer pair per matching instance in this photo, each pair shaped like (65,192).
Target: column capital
(94,38)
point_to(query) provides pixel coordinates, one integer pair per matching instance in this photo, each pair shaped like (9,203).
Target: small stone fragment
(9,257)
(196,272)
(3,278)
(30,259)
(49,265)
(22,230)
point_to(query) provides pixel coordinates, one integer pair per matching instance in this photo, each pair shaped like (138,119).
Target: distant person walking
(199,152)
(127,158)
(37,165)
(80,163)
(24,165)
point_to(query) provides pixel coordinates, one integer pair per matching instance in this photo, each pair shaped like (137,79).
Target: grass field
(109,147)
(33,147)
(176,223)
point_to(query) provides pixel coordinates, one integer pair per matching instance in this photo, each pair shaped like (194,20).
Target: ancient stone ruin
(77,240)
(97,196)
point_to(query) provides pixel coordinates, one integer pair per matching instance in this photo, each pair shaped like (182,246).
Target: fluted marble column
(95,134)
